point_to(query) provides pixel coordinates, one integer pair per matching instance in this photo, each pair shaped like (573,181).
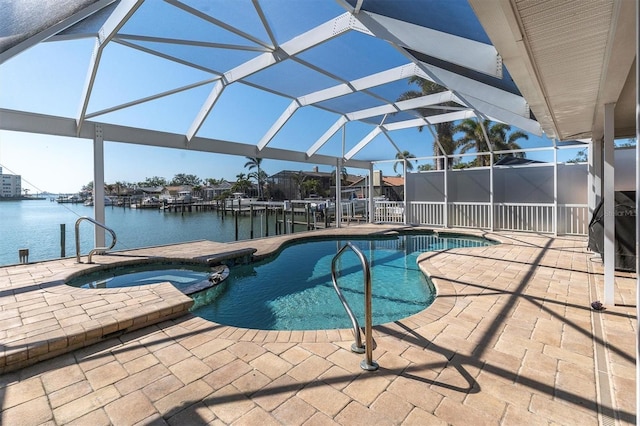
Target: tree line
(473,134)
(242,184)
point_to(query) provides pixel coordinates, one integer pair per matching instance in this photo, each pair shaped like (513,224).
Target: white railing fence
(389,211)
(427,213)
(524,217)
(573,219)
(469,215)
(569,219)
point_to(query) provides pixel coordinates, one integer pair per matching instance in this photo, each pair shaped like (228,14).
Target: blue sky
(49,78)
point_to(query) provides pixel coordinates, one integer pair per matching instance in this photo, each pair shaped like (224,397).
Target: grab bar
(367,363)
(97,249)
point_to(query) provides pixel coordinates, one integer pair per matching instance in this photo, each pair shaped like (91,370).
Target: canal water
(35,225)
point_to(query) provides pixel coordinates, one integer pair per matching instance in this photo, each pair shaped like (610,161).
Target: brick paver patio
(511,339)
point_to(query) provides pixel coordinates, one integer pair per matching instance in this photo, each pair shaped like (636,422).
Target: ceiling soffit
(568,58)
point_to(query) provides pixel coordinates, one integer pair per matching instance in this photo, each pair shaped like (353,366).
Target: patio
(511,339)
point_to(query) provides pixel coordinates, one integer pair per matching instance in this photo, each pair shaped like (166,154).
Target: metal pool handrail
(367,363)
(97,249)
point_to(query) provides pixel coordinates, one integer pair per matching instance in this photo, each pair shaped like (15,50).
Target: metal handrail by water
(97,249)
(367,363)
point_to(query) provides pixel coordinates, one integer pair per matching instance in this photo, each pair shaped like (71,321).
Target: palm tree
(242,183)
(474,138)
(401,156)
(503,141)
(444,131)
(255,163)
(298,178)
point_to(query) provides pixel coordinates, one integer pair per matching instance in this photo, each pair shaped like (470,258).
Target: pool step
(102,315)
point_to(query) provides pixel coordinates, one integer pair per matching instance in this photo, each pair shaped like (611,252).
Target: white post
(609,206)
(637,206)
(491,191)
(555,190)
(406,201)
(372,205)
(338,192)
(445,213)
(98,185)
(595,175)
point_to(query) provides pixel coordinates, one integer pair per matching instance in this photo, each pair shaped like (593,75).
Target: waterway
(35,225)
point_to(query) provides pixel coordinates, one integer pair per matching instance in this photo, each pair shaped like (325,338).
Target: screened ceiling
(314,80)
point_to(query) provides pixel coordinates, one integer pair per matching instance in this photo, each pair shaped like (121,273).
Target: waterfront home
(214,191)
(388,187)
(174,192)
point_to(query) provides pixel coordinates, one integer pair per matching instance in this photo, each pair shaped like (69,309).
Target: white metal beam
(150,98)
(281,121)
(353,151)
(318,35)
(327,135)
(465,86)
(219,23)
(196,43)
(60,126)
(165,56)
(480,57)
(298,44)
(499,114)
(98,185)
(373,80)
(123,11)
(384,132)
(206,108)
(609,206)
(265,22)
(434,119)
(409,104)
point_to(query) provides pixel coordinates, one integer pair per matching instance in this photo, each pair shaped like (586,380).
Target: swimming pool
(293,290)
(187,277)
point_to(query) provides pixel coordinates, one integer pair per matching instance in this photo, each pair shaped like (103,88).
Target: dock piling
(63,243)
(251,221)
(23,255)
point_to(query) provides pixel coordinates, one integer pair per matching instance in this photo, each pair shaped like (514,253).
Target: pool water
(294,291)
(180,275)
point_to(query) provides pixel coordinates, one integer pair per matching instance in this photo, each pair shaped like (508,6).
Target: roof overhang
(569,59)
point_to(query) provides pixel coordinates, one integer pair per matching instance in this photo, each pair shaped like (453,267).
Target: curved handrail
(368,363)
(97,249)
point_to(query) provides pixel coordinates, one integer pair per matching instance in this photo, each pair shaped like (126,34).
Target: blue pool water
(181,275)
(294,291)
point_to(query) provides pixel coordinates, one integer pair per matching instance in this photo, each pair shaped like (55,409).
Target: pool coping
(87,316)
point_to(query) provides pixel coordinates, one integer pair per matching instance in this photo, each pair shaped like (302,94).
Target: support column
(595,175)
(609,206)
(98,185)
(445,211)
(338,192)
(637,206)
(406,200)
(372,205)
(555,189)
(491,192)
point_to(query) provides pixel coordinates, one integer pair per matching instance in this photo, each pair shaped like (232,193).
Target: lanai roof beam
(123,11)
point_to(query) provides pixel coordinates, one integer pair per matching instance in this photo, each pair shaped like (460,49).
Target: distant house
(390,187)
(213,191)
(174,191)
(151,191)
(284,184)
